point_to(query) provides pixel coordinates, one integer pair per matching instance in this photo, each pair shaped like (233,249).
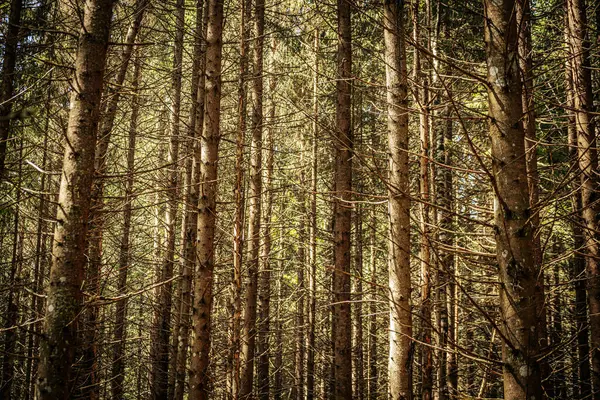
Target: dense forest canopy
(284,199)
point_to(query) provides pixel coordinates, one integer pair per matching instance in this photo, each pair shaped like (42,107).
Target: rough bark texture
(238,193)
(64,295)
(533,178)
(205,246)
(190,223)
(514,231)
(341,318)
(254,198)
(588,166)
(400,334)
(9,61)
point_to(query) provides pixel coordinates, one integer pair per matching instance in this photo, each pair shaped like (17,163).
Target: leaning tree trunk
(9,61)
(514,231)
(400,333)
(341,319)
(588,168)
(205,246)
(64,296)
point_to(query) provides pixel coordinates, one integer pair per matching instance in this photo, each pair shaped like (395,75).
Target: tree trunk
(160,347)
(400,334)
(341,318)
(9,61)
(190,223)
(312,281)
(238,192)
(588,165)
(526,68)
(254,198)
(372,378)
(264,320)
(64,296)
(205,247)
(519,273)
(118,363)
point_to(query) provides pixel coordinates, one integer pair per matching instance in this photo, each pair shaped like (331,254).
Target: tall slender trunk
(264,320)
(312,281)
(372,378)
(421,99)
(207,213)
(89,367)
(254,209)
(526,68)
(359,378)
(588,165)
(64,295)
(584,384)
(238,225)
(278,362)
(9,62)
(514,230)
(120,335)
(12,302)
(400,332)
(190,223)
(160,347)
(341,318)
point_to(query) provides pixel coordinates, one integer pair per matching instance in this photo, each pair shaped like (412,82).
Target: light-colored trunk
(207,212)
(400,330)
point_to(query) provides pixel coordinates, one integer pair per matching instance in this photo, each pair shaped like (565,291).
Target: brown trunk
(238,227)
(358,356)
(372,382)
(341,318)
(254,198)
(120,335)
(519,272)
(9,61)
(160,346)
(205,246)
(262,345)
(89,367)
(190,223)
(526,68)
(64,296)
(400,333)
(312,282)
(588,164)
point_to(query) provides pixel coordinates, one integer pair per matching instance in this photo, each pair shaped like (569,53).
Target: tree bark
(9,61)
(64,295)
(341,318)
(254,209)
(588,166)
(160,346)
(205,247)
(190,223)
(120,335)
(400,333)
(520,322)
